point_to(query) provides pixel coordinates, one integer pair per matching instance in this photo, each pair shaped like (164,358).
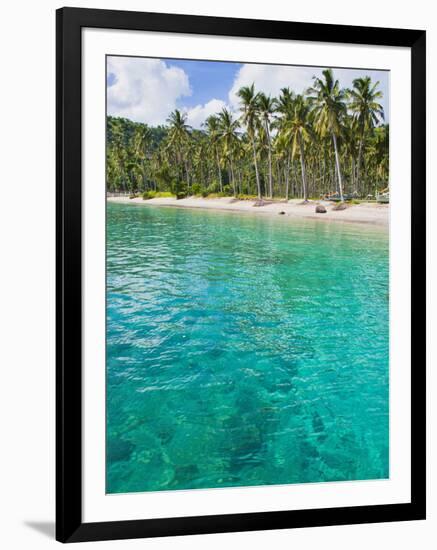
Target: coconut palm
(266,108)
(284,103)
(249,107)
(212,126)
(228,127)
(366,110)
(328,103)
(324,139)
(284,107)
(297,131)
(178,138)
(350,145)
(378,155)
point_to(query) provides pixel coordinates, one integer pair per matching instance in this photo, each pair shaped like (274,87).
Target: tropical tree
(300,145)
(367,111)
(266,108)
(328,103)
(178,139)
(349,134)
(284,107)
(249,107)
(297,131)
(212,126)
(228,127)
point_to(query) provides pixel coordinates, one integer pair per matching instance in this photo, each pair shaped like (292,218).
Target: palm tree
(266,107)
(326,141)
(284,103)
(228,127)
(139,145)
(367,111)
(378,155)
(284,106)
(199,158)
(249,106)
(178,137)
(297,131)
(212,126)
(328,102)
(350,138)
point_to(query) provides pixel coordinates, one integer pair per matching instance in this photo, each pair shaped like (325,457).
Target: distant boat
(336,197)
(383,197)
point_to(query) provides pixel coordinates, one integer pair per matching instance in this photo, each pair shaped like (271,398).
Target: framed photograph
(240,275)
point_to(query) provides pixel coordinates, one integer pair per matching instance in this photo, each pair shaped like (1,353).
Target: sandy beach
(364,213)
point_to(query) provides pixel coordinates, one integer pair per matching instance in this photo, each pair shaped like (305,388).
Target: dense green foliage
(329,140)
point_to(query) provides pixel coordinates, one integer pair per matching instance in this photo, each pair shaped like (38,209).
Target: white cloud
(147,90)
(197,115)
(271,78)
(144,90)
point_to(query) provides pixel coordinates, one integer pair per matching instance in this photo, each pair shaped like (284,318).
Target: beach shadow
(46,528)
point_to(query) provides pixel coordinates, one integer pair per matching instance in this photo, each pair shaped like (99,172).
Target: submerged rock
(320,209)
(119,450)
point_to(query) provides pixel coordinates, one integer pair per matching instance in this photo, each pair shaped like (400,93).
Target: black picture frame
(69,525)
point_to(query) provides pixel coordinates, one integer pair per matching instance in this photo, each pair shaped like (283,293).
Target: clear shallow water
(243,350)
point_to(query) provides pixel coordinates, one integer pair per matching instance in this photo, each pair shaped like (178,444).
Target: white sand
(364,213)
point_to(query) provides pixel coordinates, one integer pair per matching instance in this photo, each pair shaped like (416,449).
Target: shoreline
(369,214)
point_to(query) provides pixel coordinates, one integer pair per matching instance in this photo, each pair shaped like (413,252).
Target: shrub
(148,195)
(179,187)
(214,187)
(196,189)
(164,194)
(180,195)
(133,196)
(216,195)
(243,197)
(156,194)
(227,191)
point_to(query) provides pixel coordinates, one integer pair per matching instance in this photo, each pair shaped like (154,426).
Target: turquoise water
(243,350)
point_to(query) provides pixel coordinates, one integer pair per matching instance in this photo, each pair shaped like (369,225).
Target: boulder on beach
(340,206)
(320,209)
(260,203)
(281,213)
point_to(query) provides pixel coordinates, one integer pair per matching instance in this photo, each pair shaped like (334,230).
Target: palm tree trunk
(287,177)
(232,175)
(258,184)
(202,174)
(354,180)
(187,174)
(302,166)
(278,176)
(293,180)
(239,180)
(337,164)
(219,170)
(324,171)
(270,162)
(359,160)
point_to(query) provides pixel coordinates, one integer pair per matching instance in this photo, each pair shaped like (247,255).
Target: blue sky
(208,79)
(148,89)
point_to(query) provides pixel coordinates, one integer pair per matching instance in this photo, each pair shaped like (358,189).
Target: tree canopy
(327,140)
